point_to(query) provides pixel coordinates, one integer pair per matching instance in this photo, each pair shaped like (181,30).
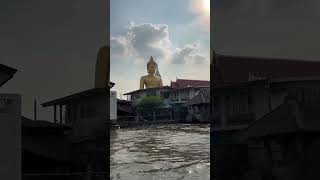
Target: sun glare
(206,6)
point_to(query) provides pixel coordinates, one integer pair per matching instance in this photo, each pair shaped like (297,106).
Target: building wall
(246,106)
(260,96)
(178,95)
(10,136)
(183,95)
(199,112)
(277,99)
(88,116)
(293,158)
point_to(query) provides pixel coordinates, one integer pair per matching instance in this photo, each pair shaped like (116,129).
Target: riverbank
(148,123)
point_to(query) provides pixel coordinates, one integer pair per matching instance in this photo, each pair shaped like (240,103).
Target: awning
(6,73)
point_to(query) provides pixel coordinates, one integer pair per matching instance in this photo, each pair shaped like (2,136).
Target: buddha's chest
(150,81)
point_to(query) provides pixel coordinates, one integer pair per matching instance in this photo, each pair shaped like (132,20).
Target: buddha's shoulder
(144,77)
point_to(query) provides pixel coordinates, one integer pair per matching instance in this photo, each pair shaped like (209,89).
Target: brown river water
(161,152)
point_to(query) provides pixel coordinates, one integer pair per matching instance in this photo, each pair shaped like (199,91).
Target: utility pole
(35,109)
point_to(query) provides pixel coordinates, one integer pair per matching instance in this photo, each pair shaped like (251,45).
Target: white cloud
(119,46)
(144,40)
(199,59)
(150,39)
(189,54)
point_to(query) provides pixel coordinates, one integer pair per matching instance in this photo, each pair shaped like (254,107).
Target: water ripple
(161,152)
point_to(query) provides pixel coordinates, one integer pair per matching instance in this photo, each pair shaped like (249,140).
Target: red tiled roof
(235,69)
(183,83)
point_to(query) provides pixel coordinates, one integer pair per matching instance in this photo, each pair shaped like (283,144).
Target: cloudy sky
(176,33)
(268,28)
(54,45)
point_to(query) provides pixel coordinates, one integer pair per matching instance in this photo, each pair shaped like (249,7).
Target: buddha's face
(151,68)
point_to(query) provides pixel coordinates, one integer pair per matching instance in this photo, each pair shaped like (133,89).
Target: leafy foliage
(150,101)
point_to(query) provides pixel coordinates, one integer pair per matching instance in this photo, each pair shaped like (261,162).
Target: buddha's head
(151,66)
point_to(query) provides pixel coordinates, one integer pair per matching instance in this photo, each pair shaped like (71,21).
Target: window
(234,108)
(68,117)
(174,95)
(136,96)
(4,106)
(196,110)
(310,94)
(90,111)
(74,112)
(184,94)
(165,95)
(82,111)
(238,105)
(151,93)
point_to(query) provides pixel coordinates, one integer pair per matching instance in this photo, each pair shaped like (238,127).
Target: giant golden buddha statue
(153,79)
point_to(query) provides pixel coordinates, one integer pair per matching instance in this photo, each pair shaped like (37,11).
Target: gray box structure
(10,136)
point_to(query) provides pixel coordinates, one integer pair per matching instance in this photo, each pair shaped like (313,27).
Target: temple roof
(183,83)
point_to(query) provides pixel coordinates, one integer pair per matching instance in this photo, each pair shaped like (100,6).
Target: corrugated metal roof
(235,69)
(26,122)
(76,96)
(202,98)
(284,119)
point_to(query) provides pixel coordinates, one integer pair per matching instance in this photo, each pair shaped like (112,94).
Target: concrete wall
(260,99)
(10,136)
(113,105)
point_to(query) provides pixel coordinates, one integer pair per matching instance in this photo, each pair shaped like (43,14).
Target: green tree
(150,101)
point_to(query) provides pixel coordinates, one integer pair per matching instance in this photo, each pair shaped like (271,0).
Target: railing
(126,118)
(153,117)
(174,99)
(185,98)
(157,117)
